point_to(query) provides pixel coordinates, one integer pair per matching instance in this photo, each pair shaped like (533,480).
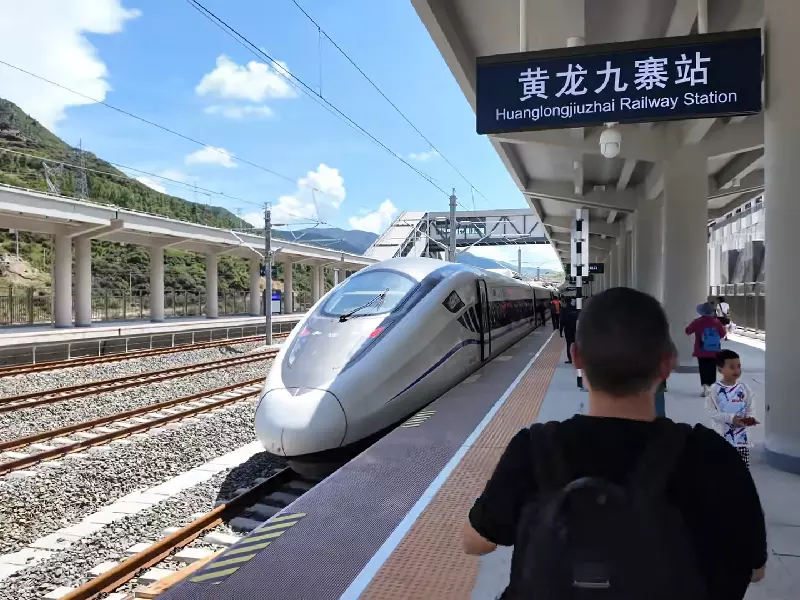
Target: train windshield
(360,290)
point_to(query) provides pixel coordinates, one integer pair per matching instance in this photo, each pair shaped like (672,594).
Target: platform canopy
(560,169)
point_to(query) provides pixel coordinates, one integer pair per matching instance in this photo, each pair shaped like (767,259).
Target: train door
(486,327)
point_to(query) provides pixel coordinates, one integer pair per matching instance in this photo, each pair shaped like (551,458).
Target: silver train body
(340,379)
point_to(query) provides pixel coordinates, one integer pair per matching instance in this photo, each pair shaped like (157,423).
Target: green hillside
(114,266)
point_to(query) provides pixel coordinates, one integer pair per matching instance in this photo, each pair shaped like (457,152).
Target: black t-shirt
(711,486)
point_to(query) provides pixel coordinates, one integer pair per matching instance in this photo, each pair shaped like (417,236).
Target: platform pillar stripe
(580,263)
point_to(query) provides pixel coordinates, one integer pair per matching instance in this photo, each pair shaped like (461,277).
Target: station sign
(597,268)
(695,76)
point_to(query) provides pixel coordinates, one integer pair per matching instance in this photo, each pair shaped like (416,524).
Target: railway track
(30,450)
(32,399)
(244,513)
(92,360)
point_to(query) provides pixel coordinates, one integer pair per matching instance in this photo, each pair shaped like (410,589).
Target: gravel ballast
(47,380)
(38,419)
(62,494)
(71,567)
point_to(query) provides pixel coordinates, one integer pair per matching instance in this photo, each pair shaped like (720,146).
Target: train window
(360,289)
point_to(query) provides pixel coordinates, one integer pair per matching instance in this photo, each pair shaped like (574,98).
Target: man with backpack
(708,334)
(616,504)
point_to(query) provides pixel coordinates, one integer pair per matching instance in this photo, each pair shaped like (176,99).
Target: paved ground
(780,492)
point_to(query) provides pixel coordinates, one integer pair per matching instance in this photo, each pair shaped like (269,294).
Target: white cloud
(423,156)
(375,221)
(238,112)
(255,82)
(57,31)
(256,219)
(152,184)
(211,156)
(174,174)
(302,203)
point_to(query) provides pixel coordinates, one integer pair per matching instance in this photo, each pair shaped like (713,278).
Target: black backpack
(589,538)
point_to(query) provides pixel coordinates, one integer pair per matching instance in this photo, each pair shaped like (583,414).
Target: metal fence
(746,301)
(20,306)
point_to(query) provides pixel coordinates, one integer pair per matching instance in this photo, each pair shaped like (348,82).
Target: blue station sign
(689,77)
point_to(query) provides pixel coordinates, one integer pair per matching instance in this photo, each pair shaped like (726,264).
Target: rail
(229,395)
(29,400)
(127,570)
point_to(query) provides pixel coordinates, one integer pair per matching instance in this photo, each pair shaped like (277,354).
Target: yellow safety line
(246,548)
(287,517)
(212,575)
(232,561)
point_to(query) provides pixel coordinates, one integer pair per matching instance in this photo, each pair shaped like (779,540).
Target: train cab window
(360,289)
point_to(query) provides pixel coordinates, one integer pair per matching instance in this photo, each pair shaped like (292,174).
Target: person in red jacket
(708,334)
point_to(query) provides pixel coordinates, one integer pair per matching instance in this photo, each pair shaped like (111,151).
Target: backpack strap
(549,466)
(653,471)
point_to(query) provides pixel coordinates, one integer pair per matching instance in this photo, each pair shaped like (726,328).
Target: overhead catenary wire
(291,77)
(391,103)
(154,124)
(189,186)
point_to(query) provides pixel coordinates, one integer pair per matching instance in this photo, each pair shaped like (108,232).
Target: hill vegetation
(26,147)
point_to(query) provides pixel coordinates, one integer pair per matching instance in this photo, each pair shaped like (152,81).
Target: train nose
(298,421)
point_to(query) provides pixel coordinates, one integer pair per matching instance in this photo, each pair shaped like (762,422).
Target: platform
(45,334)
(387,525)
(368,527)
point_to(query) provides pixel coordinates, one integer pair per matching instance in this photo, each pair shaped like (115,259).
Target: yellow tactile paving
(429,563)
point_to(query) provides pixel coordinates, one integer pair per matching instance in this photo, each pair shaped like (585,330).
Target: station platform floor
(387,525)
(21,335)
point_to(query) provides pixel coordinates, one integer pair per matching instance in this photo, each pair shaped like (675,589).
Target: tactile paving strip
(429,562)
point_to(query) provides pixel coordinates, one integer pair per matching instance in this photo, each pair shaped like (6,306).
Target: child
(731,404)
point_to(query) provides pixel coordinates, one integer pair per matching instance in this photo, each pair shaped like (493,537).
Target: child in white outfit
(731,404)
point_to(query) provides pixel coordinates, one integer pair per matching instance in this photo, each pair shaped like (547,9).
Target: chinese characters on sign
(717,74)
(650,72)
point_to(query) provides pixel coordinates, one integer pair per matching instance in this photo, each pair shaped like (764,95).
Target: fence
(746,301)
(20,306)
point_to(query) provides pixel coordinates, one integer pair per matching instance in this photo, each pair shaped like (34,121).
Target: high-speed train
(383,344)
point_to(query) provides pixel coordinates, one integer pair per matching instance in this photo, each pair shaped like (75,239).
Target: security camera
(610,141)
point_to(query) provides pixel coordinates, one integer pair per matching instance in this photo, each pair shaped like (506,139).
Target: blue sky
(163,61)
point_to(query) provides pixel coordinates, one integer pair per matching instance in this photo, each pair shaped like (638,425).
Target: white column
(156,284)
(212,286)
(611,267)
(321,282)
(83,281)
(624,254)
(619,259)
(684,247)
(62,281)
(255,287)
(782,212)
(647,260)
(314,284)
(288,288)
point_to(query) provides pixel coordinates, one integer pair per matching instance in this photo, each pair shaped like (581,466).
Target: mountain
(25,147)
(480,261)
(488,263)
(354,241)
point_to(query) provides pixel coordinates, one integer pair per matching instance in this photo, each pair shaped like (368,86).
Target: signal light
(305,332)
(376,332)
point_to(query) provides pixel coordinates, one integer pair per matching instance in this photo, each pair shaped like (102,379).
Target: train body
(383,344)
